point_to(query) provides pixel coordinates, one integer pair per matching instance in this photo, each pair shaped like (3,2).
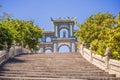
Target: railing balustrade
(13,51)
(103,62)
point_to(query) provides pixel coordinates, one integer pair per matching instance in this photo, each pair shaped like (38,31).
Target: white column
(56,31)
(55,47)
(73,47)
(71,31)
(41,50)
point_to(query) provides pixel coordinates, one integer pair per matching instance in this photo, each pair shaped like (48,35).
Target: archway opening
(64,33)
(48,51)
(48,39)
(64,48)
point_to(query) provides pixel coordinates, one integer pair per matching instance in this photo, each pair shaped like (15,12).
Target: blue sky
(41,10)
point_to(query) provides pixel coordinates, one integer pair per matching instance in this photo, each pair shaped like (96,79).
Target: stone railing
(3,56)
(13,51)
(105,63)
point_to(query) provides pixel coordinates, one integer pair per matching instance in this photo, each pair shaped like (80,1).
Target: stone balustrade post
(14,50)
(27,47)
(91,52)
(21,44)
(107,55)
(5,47)
(42,49)
(82,47)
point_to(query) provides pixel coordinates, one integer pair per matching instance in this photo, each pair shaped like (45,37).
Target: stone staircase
(55,66)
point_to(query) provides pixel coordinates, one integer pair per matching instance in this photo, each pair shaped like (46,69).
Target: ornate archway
(48,50)
(64,33)
(64,48)
(66,26)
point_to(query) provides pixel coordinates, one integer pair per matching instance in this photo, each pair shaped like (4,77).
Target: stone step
(57,78)
(54,67)
(50,69)
(64,72)
(53,73)
(57,66)
(31,78)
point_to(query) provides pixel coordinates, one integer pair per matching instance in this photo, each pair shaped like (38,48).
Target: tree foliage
(102,30)
(19,30)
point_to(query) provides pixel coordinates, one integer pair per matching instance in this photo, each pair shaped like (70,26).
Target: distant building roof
(64,19)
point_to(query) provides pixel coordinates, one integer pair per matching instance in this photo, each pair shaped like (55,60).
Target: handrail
(105,63)
(13,51)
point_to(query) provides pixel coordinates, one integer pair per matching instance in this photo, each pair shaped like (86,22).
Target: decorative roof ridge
(63,18)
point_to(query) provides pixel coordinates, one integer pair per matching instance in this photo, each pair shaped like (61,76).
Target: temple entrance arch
(64,48)
(64,33)
(48,50)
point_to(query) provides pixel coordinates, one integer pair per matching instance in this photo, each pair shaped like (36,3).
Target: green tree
(102,30)
(20,30)
(6,34)
(93,26)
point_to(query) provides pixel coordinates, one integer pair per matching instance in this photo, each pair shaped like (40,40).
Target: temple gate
(63,35)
